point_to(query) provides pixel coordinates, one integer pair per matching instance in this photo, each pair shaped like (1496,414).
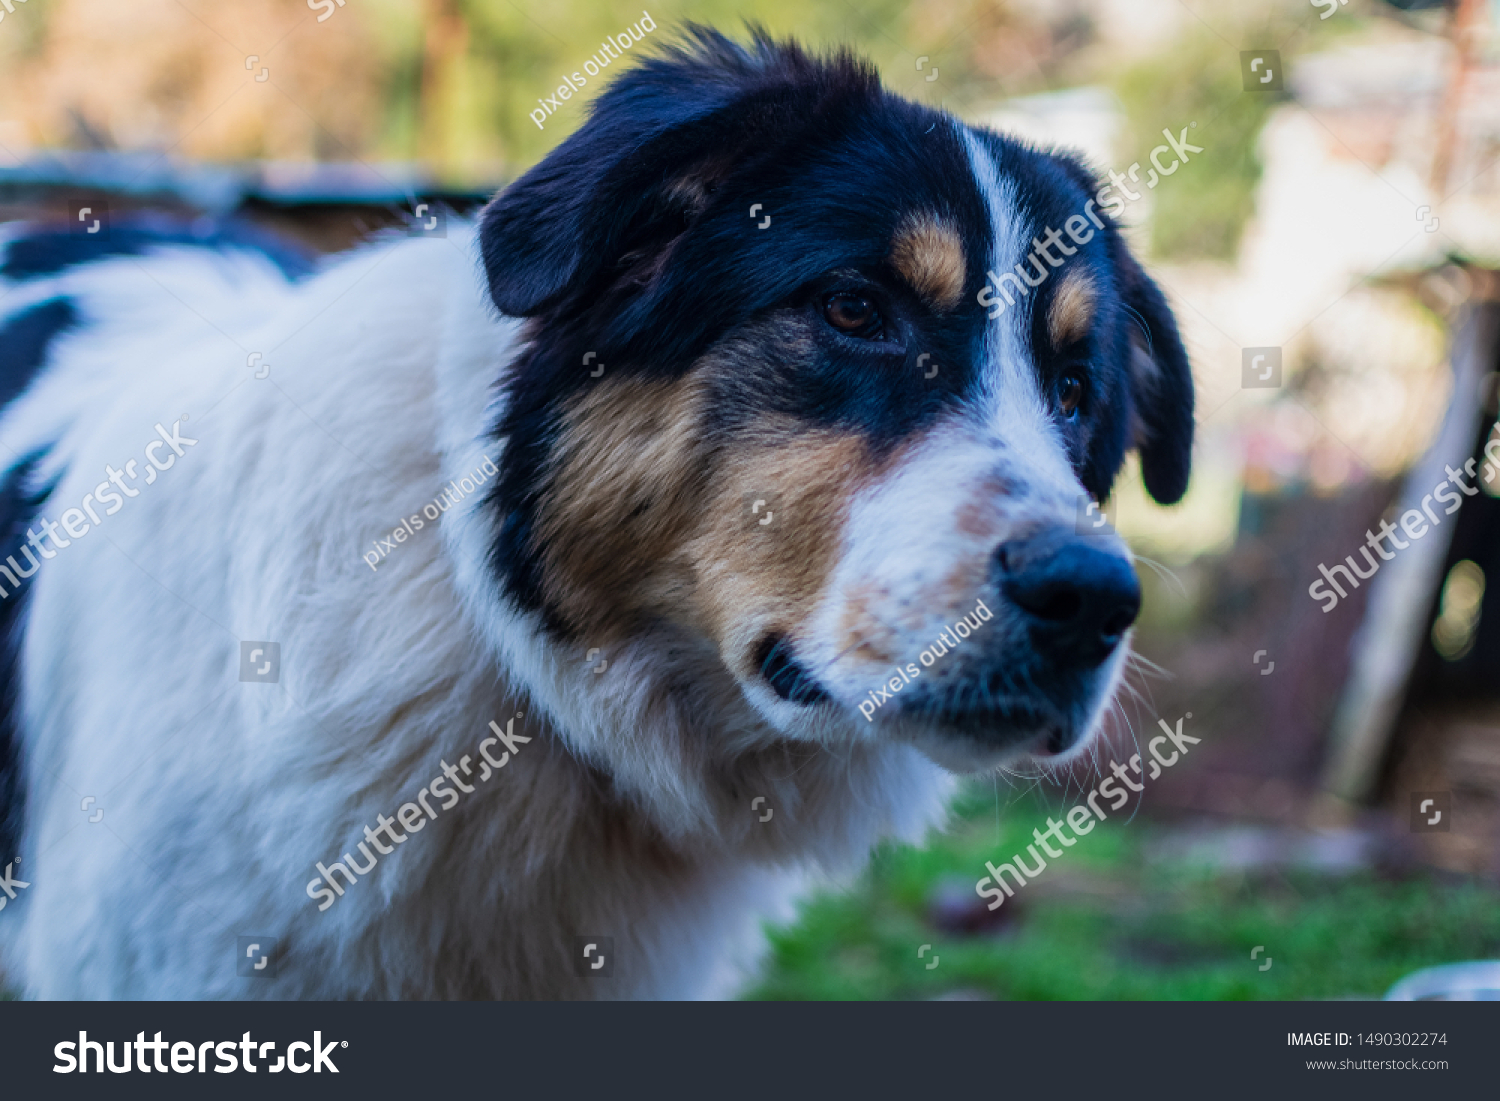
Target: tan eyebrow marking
(929,254)
(1072,309)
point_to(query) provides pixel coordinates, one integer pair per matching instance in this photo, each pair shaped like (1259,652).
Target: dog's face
(770,422)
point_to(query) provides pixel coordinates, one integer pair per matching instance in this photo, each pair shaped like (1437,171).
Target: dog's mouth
(1038,728)
(786,676)
(994,717)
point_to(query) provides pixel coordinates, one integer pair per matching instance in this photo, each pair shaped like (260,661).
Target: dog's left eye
(854,315)
(1069,394)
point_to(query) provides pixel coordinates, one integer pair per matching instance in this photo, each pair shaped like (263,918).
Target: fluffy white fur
(618,819)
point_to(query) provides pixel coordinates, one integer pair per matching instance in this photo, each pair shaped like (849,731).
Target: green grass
(1104,922)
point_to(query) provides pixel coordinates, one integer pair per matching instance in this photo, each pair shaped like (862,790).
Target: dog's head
(773,423)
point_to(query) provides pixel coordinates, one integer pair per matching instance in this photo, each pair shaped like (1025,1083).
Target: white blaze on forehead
(1007,337)
(1010,395)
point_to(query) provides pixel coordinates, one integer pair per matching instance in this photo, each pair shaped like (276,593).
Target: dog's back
(193,505)
(53,286)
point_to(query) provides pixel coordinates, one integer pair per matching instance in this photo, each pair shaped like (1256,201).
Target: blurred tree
(483,65)
(446,42)
(1198,80)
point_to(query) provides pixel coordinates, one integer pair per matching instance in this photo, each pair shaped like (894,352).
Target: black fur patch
(47,251)
(785,674)
(1135,313)
(24,342)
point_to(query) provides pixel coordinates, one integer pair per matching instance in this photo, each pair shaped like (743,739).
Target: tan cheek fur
(644,518)
(754,579)
(620,502)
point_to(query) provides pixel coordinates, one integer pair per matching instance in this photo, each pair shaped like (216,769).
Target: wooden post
(1395,624)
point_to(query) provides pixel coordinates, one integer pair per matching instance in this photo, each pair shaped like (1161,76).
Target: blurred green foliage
(491,74)
(514,53)
(453,82)
(1197,79)
(506,56)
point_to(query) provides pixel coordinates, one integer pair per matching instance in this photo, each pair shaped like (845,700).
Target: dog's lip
(964,753)
(1014,713)
(778,666)
(1032,727)
(1052,742)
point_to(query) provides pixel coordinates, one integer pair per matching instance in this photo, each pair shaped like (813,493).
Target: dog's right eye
(1069,395)
(854,315)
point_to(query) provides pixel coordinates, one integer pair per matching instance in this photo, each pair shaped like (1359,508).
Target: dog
(724,439)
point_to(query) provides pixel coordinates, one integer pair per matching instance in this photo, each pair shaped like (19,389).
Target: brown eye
(854,315)
(1069,394)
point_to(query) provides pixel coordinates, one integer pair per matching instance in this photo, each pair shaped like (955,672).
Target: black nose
(1079,597)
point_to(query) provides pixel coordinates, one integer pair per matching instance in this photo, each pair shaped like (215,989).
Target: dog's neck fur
(657,762)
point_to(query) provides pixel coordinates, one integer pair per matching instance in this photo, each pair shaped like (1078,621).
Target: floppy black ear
(558,225)
(610,199)
(1161,383)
